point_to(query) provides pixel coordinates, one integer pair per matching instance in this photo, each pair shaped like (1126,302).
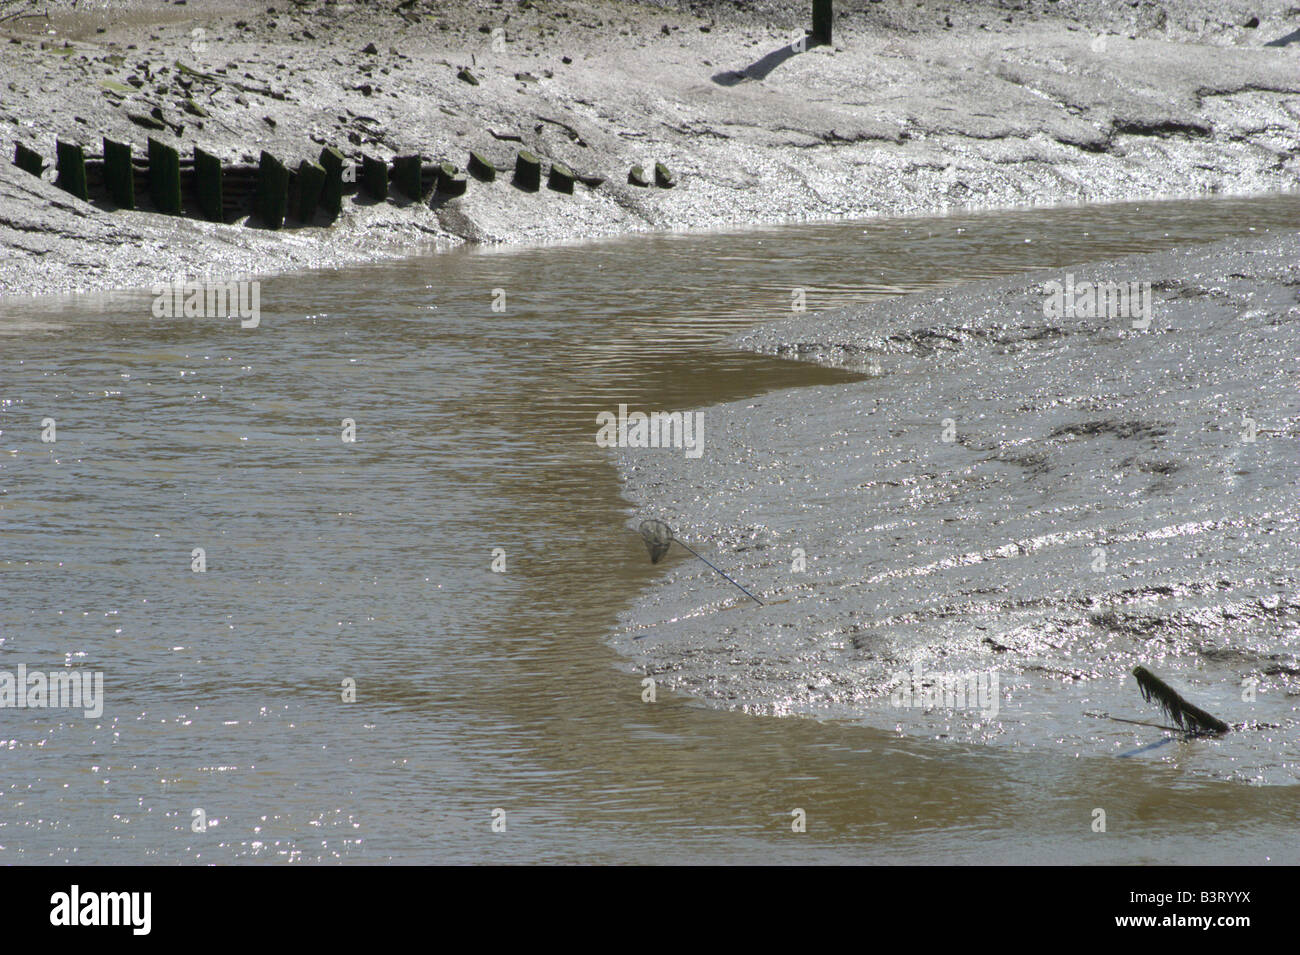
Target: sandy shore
(918,107)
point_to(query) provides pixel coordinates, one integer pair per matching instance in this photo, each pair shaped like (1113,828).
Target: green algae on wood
(560,179)
(374,177)
(451,181)
(71,161)
(272,191)
(528,171)
(28,160)
(164,177)
(209,186)
(481,168)
(118,174)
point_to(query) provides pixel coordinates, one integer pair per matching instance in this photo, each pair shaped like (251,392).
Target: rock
(636,177)
(371,49)
(664,178)
(465,76)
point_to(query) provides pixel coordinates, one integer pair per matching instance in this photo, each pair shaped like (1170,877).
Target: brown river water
(480,695)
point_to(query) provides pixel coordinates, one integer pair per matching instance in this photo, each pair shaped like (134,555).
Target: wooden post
(481,168)
(208,185)
(374,178)
(560,178)
(71,160)
(272,191)
(331,197)
(28,160)
(451,180)
(406,176)
(528,171)
(311,182)
(821,25)
(164,178)
(118,175)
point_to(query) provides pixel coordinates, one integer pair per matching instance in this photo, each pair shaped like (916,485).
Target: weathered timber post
(406,176)
(560,178)
(821,25)
(311,182)
(71,161)
(208,185)
(331,197)
(374,178)
(451,181)
(28,160)
(272,191)
(528,171)
(118,174)
(164,177)
(481,168)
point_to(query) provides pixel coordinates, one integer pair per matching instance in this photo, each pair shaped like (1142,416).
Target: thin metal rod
(706,560)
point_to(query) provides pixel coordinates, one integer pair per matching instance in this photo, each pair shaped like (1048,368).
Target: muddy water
(372,561)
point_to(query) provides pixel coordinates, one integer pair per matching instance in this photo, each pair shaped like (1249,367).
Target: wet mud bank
(1026,487)
(916,107)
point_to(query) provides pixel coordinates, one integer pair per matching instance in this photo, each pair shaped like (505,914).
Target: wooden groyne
(273,193)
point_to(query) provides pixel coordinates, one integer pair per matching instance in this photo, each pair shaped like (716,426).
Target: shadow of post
(759,69)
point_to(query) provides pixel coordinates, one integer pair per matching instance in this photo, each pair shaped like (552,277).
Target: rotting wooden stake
(821,23)
(311,183)
(208,185)
(272,191)
(164,178)
(528,171)
(118,175)
(71,160)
